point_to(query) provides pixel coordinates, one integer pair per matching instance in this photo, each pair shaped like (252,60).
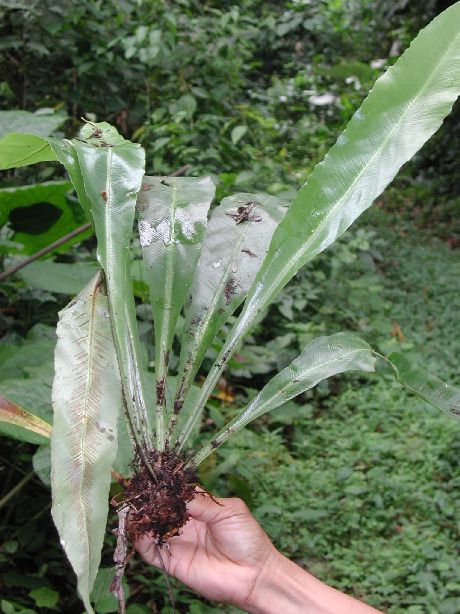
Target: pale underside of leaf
(86,402)
(172,215)
(237,239)
(403,110)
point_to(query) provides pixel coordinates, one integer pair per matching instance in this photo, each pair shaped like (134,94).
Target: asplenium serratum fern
(204,264)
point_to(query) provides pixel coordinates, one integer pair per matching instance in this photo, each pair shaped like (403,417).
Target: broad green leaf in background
(44,597)
(403,110)
(20,424)
(41,123)
(57,276)
(22,135)
(322,358)
(104,601)
(172,222)
(35,353)
(232,253)
(27,371)
(112,176)
(17,149)
(425,385)
(46,214)
(32,392)
(86,403)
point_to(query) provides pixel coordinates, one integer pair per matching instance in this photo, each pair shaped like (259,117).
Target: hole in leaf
(34,219)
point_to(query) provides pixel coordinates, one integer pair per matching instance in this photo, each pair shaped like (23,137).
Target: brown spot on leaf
(178,404)
(161,391)
(230,289)
(142,202)
(247,251)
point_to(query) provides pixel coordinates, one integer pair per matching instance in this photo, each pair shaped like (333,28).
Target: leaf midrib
(303,375)
(292,262)
(84,477)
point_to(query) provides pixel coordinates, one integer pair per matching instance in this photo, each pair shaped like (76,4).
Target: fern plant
(205,263)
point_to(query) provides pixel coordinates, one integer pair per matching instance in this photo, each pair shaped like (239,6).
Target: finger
(147,549)
(205,508)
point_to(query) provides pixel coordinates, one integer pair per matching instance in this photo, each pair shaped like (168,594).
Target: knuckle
(238,505)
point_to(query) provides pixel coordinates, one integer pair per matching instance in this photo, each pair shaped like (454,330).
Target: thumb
(205,508)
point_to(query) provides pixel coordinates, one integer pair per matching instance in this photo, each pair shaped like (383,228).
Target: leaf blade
(18,149)
(86,399)
(172,221)
(16,422)
(425,385)
(322,358)
(232,253)
(112,176)
(402,111)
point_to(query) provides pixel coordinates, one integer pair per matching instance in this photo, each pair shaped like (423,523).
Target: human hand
(221,553)
(225,555)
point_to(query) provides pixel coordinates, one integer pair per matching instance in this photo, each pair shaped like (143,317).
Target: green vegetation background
(355,480)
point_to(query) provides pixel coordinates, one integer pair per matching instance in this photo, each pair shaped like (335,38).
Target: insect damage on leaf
(244,213)
(230,289)
(161,391)
(178,404)
(195,321)
(247,251)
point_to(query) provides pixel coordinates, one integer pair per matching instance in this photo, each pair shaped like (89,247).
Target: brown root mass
(157,495)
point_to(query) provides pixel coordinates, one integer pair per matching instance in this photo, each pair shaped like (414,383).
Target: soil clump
(157,495)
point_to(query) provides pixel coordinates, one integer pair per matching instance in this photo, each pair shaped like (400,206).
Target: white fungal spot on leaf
(186,224)
(145,233)
(165,232)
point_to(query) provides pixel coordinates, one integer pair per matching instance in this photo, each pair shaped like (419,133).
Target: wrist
(282,586)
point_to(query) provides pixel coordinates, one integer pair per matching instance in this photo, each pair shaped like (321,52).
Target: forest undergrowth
(361,479)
